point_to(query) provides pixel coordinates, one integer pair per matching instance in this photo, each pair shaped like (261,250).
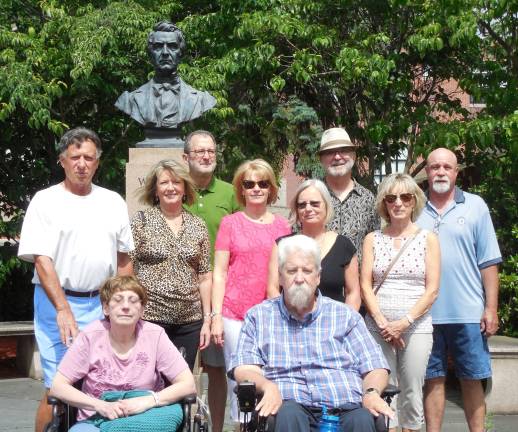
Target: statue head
(165,46)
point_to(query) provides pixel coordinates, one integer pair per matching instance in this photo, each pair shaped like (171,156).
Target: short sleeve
(169,361)
(75,364)
(223,237)
(124,236)
(486,243)
(37,236)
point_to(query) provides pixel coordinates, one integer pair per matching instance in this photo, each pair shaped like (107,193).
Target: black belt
(82,293)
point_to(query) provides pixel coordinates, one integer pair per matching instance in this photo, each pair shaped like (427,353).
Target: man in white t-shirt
(77,235)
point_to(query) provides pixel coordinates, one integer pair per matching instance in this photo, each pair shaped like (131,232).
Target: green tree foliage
(281,71)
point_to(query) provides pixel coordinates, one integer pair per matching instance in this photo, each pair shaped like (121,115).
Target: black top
(332,281)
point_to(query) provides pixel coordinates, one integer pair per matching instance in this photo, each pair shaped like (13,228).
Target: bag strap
(394,260)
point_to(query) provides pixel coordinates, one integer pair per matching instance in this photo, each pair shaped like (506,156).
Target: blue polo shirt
(468,244)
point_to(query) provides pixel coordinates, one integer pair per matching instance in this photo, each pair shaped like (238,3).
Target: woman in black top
(311,209)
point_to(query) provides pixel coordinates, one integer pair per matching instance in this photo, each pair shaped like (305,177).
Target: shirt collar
(310,317)
(211,186)
(458,198)
(357,189)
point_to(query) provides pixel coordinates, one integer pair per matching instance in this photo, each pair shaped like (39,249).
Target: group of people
(207,267)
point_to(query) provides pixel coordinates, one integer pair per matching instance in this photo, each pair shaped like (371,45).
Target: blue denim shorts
(46,331)
(468,348)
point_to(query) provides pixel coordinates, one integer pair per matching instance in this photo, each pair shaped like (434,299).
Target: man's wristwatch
(371,390)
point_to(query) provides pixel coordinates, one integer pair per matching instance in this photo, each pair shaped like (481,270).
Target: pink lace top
(405,283)
(250,245)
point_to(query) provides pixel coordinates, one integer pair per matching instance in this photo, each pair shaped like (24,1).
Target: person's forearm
(183,386)
(491,286)
(377,378)
(205,288)
(352,284)
(218,292)
(69,394)
(124,264)
(49,280)
(255,375)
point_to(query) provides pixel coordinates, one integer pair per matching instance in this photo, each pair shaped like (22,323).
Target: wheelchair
(248,398)
(64,416)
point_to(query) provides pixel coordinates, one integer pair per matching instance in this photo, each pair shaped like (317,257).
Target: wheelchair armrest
(390,391)
(51,400)
(189,400)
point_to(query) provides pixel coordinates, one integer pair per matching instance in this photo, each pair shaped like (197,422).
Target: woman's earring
(184,198)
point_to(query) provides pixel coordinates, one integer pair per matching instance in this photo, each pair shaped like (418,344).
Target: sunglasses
(303,204)
(250,184)
(404,197)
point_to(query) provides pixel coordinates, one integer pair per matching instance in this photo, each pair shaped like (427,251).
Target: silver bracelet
(155,396)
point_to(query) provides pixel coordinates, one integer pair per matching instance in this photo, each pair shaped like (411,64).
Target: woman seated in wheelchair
(122,362)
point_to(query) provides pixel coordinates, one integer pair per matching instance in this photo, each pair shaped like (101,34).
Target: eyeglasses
(341,151)
(404,197)
(200,153)
(250,184)
(303,204)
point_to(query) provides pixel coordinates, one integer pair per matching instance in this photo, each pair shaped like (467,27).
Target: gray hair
(166,26)
(298,243)
(78,136)
(324,192)
(201,132)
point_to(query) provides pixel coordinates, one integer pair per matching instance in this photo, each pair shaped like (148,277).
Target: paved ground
(19,398)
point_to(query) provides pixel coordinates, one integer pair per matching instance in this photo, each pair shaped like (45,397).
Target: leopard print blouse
(168,265)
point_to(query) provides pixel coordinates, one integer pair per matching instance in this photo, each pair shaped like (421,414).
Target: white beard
(299,296)
(441,185)
(340,170)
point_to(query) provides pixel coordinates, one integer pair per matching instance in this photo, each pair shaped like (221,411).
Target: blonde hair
(147,193)
(262,168)
(408,185)
(324,193)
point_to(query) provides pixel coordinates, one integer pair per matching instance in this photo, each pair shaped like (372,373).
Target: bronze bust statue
(166,101)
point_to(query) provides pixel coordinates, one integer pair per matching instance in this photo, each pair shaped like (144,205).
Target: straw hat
(335,138)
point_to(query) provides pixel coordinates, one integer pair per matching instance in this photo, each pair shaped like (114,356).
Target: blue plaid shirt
(318,361)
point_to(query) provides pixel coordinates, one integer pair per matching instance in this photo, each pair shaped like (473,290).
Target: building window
(398,166)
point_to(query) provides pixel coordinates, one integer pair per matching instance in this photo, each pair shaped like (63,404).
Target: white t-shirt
(81,234)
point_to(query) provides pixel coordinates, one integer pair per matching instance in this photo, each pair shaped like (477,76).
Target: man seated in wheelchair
(122,362)
(304,351)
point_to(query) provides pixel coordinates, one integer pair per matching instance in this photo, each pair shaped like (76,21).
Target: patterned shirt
(168,265)
(317,361)
(355,216)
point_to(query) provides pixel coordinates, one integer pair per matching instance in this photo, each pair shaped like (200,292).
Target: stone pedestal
(502,397)
(140,162)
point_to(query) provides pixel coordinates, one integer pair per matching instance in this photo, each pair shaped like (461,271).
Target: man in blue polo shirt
(465,313)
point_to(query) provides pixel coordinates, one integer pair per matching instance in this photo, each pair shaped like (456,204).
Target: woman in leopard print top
(172,258)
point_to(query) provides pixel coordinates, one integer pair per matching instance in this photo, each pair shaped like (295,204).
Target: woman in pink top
(121,352)
(242,251)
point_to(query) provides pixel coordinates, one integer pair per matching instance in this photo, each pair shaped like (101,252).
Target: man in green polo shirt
(215,200)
